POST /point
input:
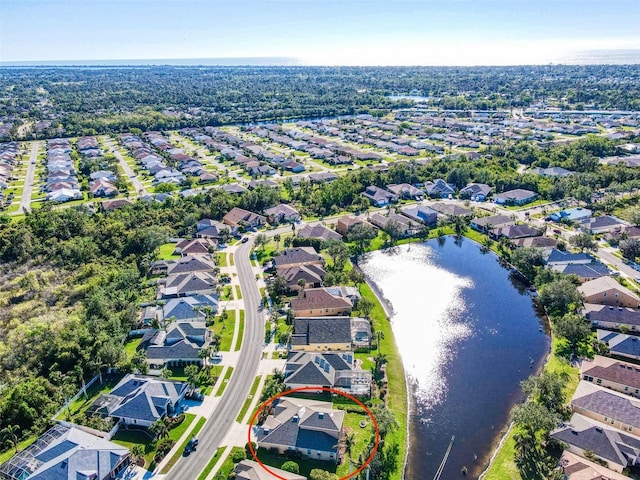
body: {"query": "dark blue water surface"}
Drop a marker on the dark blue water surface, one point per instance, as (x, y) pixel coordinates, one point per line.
(468, 334)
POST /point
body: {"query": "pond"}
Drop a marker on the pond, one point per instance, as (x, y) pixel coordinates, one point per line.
(468, 334)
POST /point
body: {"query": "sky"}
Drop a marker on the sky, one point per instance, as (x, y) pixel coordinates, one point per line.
(326, 32)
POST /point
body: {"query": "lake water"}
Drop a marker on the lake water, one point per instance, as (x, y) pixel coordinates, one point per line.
(468, 334)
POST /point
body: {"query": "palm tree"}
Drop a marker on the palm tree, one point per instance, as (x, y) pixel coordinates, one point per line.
(349, 441)
(137, 452)
(165, 373)
(159, 429)
(10, 434)
(277, 238)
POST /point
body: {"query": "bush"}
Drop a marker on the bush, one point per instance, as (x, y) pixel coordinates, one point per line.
(238, 455)
(318, 474)
(290, 466)
(248, 451)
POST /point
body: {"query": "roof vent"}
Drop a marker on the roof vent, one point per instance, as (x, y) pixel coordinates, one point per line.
(320, 415)
(294, 419)
(599, 429)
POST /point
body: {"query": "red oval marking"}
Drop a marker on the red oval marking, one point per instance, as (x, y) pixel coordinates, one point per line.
(314, 389)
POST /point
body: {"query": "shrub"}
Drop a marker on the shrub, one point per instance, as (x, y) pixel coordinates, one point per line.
(290, 466)
(238, 455)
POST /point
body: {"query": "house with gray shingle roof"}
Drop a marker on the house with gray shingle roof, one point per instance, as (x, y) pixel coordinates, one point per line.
(141, 400)
(320, 302)
(378, 196)
(476, 192)
(621, 344)
(575, 467)
(282, 213)
(336, 370)
(322, 333)
(608, 316)
(188, 284)
(250, 470)
(603, 405)
(617, 449)
(189, 308)
(67, 453)
(311, 428)
(179, 345)
(318, 231)
(292, 257)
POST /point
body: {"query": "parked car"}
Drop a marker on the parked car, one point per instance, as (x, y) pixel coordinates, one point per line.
(245, 239)
(191, 446)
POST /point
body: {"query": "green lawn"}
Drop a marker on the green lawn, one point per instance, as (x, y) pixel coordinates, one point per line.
(231, 259)
(227, 465)
(221, 259)
(176, 456)
(305, 464)
(212, 463)
(225, 330)
(238, 292)
(240, 332)
(166, 252)
(7, 454)
(225, 381)
(129, 438)
(80, 404)
(130, 347)
(249, 399)
(226, 293)
(362, 437)
(176, 433)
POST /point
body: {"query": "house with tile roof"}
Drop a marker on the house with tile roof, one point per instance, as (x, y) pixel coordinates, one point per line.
(311, 428)
(322, 334)
(67, 453)
(610, 373)
(618, 450)
(336, 370)
(320, 302)
(607, 291)
(141, 400)
(313, 276)
(614, 409)
(282, 213)
(406, 191)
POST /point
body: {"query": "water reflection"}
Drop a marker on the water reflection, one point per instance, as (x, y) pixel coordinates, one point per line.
(466, 337)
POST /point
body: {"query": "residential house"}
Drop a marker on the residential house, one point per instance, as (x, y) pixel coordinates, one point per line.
(550, 172)
(250, 470)
(282, 213)
(188, 284)
(406, 227)
(514, 231)
(615, 449)
(195, 246)
(141, 400)
(318, 231)
(189, 308)
(607, 291)
(561, 257)
(345, 224)
(208, 228)
(293, 166)
(603, 224)
(406, 191)
(110, 205)
(476, 192)
(310, 427)
(614, 374)
(187, 264)
(585, 273)
(378, 196)
(451, 210)
(518, 196)
(613, 318)
(64, 195)
(545, 243)
(237, 217)
(420, 214)
(337, 370)
(486, 224)
(351, 293)
(102, 188)
(320, 303)
(572, 215)
(292, 257)
(178, 345)
(312, 275)
(67, 453)
(439, 189)
(234, 189)
(322, 333)
(620, 344)
(614, 409)
(575, 467)
(323, 177)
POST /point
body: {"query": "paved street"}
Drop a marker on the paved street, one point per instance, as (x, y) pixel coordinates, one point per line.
(27, 189)
(223, 417)
(128, 171)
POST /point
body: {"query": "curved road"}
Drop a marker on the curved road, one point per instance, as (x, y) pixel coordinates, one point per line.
(222, 418)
